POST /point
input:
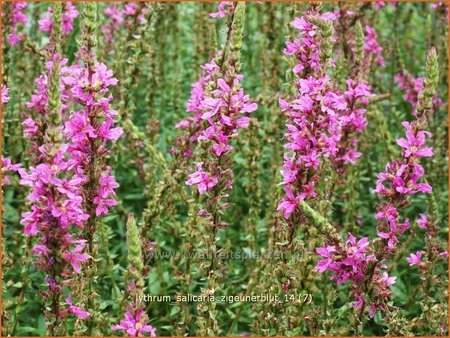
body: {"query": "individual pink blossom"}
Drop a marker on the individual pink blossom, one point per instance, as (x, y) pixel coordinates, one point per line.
(75, 256)
(78, 127)
(415, 259)
(7, 166)
(5, 97)
(103, 205)
(402, 179)
(135, 323)
(289, 203)
(204, 180)
(413, 145)
(45, 24)
(224, 9)
(30, 127)
(327, 253)
(394, 229)
(77, 311)
(130, 8)
(423, 221)
(388, 280)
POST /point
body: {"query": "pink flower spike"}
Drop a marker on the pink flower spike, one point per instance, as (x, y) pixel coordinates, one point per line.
(135, 323)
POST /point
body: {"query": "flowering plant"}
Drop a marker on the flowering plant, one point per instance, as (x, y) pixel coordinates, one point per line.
(224, 169)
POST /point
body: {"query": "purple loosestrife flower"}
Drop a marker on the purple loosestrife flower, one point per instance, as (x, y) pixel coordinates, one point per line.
(351, 261)
(69, 15)
(77, 311)
(415, 259)
(219, 110)
(306, 49)
(413, 145)
(224, 9)
(17, 17)
(56, 207)
(203, 180)
(122, 16)
(75, 257)
(307, 141)
(56, 179)
(224, 112)
(402, 178)
(115, 16)
(348, 261)
(35, 125)
(322, 119)
(363, 262)
(193, 125)
(6, 167)
(413, 87)
(135, 323)
(372, 46)
(5, 97)
(351, 121)
(440, 6)
(106, 186)
(91, 129)
(422, 221)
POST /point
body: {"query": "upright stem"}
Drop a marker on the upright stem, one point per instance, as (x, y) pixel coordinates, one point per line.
(87, 44)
